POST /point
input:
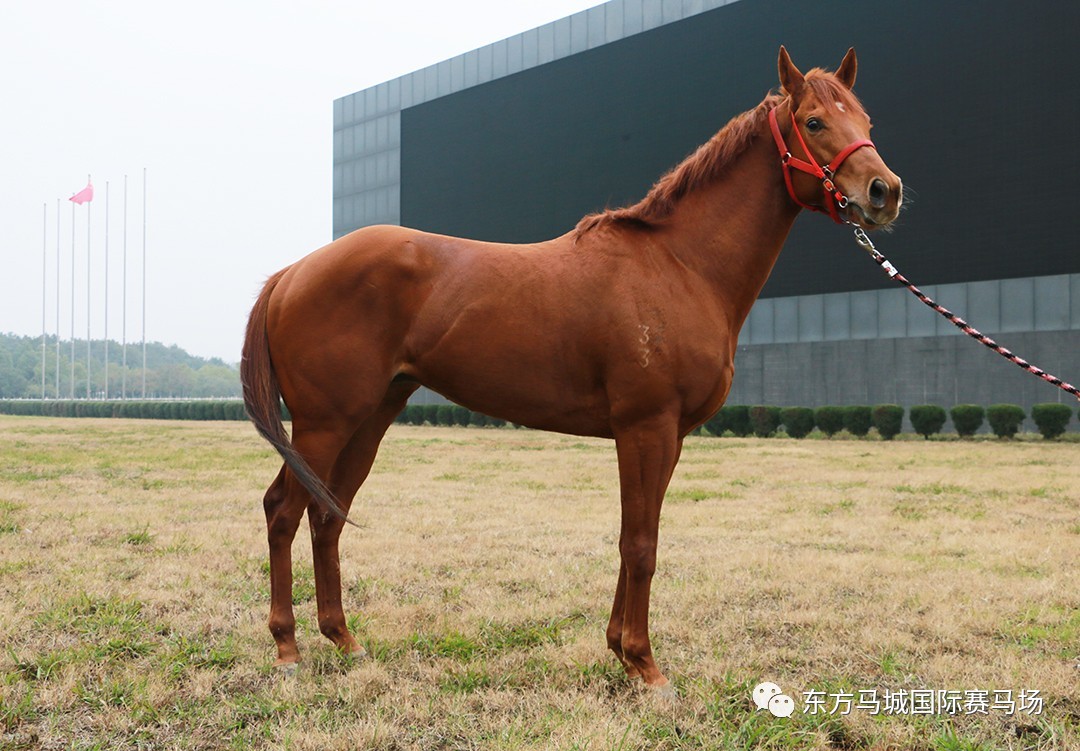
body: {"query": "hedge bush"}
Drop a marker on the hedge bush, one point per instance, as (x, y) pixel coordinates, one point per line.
(1005, 419)
(714, 425)
(734, 417)
(927, 419)
(764, 420)
(967, 419)
(797, 421)
(829, 420)
(858, 420)
(888, 419)
(1051, 419)
(195, 409)
(737, 419)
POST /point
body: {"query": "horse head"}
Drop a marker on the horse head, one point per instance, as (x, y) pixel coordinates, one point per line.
(821, 127)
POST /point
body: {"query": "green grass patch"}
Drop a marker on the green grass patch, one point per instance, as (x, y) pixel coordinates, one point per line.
(142, 537)
(89, 615)
(1057, 628)
(183, 654)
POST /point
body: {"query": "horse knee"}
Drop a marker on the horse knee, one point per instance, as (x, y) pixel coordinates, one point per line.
(639, 556)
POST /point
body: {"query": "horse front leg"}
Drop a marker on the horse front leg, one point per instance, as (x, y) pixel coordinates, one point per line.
(647, 452)
(615, 623)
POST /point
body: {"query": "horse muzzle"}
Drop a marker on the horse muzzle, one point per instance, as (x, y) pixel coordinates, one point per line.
(878, 204)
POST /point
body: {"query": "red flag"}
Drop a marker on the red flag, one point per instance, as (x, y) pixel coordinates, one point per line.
(85, 195)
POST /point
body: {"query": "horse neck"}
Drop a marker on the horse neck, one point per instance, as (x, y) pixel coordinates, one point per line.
(731, 231)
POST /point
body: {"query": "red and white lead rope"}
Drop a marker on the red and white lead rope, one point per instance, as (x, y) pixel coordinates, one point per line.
(867, 244)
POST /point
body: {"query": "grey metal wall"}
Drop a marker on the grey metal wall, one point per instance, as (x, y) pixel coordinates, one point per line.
(1042, 303)
(887, 347)
(943, 370)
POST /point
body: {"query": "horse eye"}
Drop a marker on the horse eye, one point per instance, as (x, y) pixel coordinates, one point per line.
(813, 125)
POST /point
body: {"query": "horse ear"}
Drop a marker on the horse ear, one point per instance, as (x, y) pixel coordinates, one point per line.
(791, 79)
(848, 68)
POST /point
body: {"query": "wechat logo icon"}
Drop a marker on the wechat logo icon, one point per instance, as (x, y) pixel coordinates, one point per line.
(771, 697)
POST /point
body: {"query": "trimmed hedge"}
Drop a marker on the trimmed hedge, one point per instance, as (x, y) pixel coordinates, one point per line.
(764, 420)
(797, 421)
(927, 419)
(735, 418)
(830, 420)
(196, 409)
(888, 419)
(858, 420)
(1005, 419)
(967, 419)
(1051, 419)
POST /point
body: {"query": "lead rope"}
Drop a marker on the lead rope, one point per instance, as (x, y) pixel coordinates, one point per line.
(867, 244)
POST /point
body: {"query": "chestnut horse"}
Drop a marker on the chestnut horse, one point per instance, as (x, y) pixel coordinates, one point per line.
(624, 328)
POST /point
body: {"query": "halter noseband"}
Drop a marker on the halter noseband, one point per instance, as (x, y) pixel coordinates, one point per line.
(834, 199)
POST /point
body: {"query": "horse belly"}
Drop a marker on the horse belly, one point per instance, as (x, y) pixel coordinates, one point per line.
(501, 363)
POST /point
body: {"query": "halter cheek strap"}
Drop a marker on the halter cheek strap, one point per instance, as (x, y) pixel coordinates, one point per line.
(834, 199)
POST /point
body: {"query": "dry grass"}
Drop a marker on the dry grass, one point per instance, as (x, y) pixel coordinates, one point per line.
(133, 592)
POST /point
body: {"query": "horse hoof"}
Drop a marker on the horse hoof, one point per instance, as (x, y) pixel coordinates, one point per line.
(286, 669)
(357, 654)
(665, 692)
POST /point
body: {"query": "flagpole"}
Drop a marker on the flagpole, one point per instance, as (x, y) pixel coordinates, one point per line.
(123, 316)
(88, 277)
(106, 290)
(44, 279)
(57, 394)
(72, 384)
(144, 283)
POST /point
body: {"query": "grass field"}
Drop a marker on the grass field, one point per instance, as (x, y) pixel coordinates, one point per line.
(134, 593)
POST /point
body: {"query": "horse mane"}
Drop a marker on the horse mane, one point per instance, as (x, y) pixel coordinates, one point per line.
(703, 166)
(710, 160)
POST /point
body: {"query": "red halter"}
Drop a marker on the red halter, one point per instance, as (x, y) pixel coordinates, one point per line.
(834, 199)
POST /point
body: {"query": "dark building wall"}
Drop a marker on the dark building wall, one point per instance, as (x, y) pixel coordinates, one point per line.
(971, 108)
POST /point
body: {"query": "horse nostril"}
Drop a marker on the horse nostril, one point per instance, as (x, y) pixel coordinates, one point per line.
(879, 193)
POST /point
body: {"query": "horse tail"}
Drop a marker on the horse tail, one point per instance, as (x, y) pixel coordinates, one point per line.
(262, 400)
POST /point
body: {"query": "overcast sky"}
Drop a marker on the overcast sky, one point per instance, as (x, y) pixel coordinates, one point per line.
(229, 107)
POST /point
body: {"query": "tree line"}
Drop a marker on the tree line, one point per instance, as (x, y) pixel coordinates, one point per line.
(171, 372)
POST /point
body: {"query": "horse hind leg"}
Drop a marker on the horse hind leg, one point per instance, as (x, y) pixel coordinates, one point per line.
(283, 512)
(349, 472)
(284, 504)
